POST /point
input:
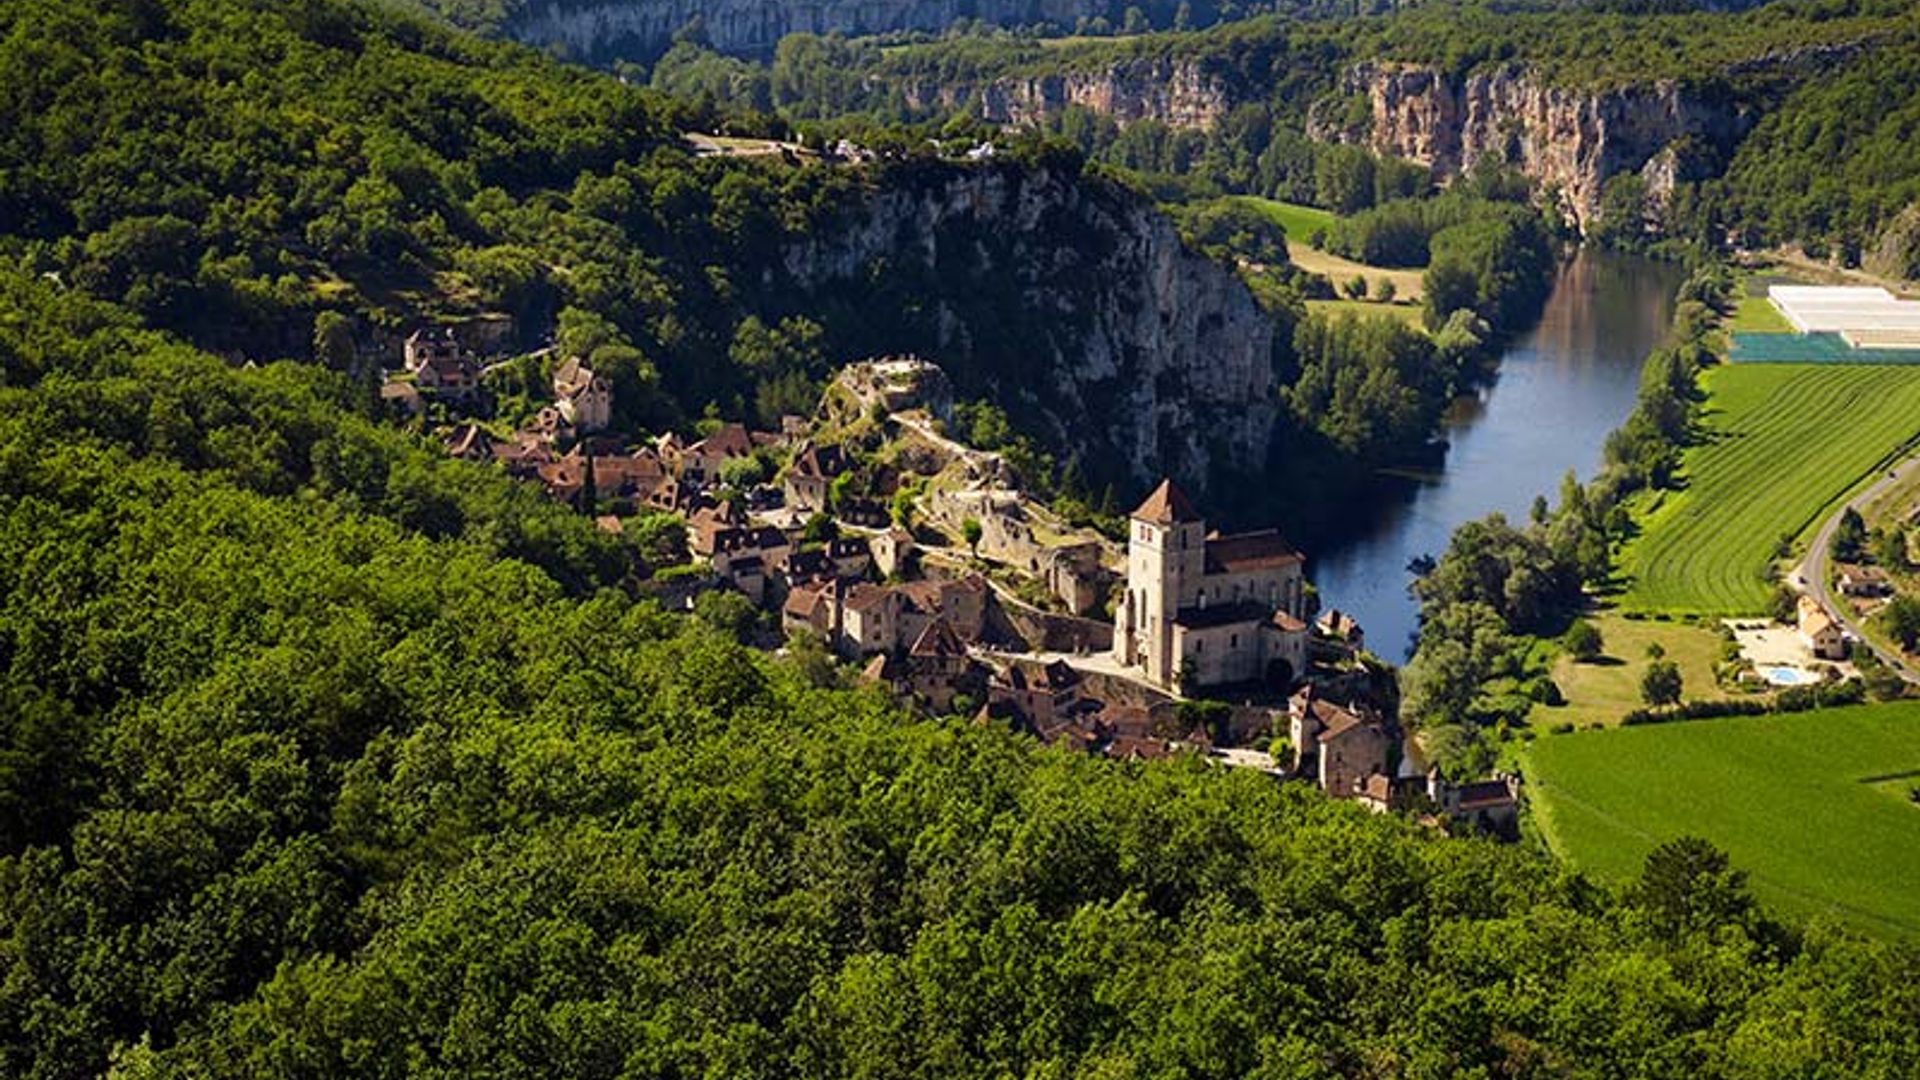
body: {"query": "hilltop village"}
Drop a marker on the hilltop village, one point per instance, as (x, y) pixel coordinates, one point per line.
(868, 532)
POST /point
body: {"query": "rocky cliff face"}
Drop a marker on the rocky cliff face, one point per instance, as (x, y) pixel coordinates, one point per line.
(607, 28)
(1070, 303)
(1176, 93)
(1572, 139)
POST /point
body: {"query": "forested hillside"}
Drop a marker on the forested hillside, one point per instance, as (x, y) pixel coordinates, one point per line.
(327, 757)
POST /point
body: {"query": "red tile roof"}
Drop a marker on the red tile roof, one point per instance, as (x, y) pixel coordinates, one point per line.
(1167, 505)
(1249, 551)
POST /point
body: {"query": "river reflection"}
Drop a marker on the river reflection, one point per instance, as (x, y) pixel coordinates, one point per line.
(1560, 389)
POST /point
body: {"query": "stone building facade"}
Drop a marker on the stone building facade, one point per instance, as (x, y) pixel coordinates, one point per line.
(1207, 608)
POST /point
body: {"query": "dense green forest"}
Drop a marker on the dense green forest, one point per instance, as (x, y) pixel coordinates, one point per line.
(326, 756)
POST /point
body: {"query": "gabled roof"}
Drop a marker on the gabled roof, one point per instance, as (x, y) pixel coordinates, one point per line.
(729, 440)
(1167, 505)
(821, 462)
(939, 640)
(865, 597)
(802, 601)
(1249, 551)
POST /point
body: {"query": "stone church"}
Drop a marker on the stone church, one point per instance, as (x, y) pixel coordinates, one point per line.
(1203, 609)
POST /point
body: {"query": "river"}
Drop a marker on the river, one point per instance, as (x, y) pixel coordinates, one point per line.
(1559, 390)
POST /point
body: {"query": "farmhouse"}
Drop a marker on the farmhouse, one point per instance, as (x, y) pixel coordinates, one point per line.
(1818, 630)
(1865, 581)
(1207, 609)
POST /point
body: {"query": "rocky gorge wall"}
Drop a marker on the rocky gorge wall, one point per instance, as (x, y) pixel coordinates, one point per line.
(1179, 93)
(1572, 139)
(1071, 303)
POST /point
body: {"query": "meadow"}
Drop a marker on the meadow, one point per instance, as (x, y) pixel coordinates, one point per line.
(1411, 314)
(1781, 443)
(1299, 221)
(1757, 315)
(1813, 806)
(1602, 691)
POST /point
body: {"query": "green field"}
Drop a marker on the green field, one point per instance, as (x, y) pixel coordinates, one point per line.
(1602, 691)
(1299, 221)
(1757, 315)
(1367, 309)
(1811, 805)
(1782, 442)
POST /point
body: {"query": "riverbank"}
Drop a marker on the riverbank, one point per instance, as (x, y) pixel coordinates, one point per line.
(1547, 406)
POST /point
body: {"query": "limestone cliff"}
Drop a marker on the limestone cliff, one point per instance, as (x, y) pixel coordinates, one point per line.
(1179, 93)
(638, 28)
(1072, 303)
(1572, 139)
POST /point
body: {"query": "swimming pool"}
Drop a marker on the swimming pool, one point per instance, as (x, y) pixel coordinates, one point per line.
(1781, 675)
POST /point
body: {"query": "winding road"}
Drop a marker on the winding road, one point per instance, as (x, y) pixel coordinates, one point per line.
(1812, 571)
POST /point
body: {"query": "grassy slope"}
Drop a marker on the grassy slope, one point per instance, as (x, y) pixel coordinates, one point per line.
(1603, 692)
(1299, 221)
(1783, 442)
(1791, 798)
(1410, 314)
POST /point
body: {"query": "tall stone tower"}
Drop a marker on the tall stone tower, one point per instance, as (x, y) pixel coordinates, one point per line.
(1166, 556)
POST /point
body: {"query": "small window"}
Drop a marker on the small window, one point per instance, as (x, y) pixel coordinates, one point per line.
(1233, 641)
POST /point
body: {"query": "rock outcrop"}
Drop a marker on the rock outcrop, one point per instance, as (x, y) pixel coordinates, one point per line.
(1179, 93)
(1569, 139)
(1072, 303)
(640, 28)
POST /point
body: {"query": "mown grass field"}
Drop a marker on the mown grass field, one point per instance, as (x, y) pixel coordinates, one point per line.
(1757, 315)
(1783, 442)
(1811, 805)
(1602, 691)
(1410, 314)
(1299, 221)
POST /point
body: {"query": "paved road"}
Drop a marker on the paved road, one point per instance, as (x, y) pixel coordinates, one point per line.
(1813, 570)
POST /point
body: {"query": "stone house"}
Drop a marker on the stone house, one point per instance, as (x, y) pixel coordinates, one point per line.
(809, 479)
(962, 603)
(700, 463)
(892, 552)
(1338, 746)
(869, 621)
(1820, 632)
(811, 607)
(1491, 806)
(440, 366)
(935, 671)
(1865, 582)
(1221, 609)
(584, 398)
(1043, 700)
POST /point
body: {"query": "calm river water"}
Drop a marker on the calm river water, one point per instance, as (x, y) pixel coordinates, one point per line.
(1559, 390)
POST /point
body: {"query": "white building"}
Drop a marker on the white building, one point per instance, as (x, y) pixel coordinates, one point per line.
(1221, 609)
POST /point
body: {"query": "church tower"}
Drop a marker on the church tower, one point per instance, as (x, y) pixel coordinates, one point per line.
(1166, 554)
